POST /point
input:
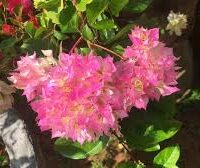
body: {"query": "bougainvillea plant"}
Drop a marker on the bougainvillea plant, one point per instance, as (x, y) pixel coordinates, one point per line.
(88, 81)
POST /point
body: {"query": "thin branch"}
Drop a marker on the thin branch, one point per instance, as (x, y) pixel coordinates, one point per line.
(124, 145)
(4, 17)
(48, 35)
(61, 49)
(75, 45)
(187, 92)
(106, 49)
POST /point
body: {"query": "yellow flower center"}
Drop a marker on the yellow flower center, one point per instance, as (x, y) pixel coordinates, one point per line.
(143, 36)
(138, 85)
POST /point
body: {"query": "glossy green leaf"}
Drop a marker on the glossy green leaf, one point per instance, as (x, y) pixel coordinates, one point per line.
(117, 5)
(29, 28)
(67, 13)
(118, 49)
(122, 33)
(138, 6)
(39, 32)
(81, 5)
(47, 4)
(141, 134)
(75, 150)
(60, 36)
(106, 34)
(104, 24)
(95, 9)
(87, 33)
(168, 157)
(71, 26)
(153, 148)
(84, 51)
(44, 20)
(53, 16)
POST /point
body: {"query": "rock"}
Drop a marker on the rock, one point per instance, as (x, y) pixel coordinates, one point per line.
(18, 144)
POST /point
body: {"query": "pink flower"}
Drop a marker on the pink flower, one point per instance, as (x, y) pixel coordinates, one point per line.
(29, 76)
(144, 38)
(76, 100)
(83, 97)
(149, 71)
(26, 5)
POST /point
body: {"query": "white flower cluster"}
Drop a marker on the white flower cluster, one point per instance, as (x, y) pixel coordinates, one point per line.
(177, 22)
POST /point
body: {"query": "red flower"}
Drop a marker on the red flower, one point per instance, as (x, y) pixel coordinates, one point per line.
(1, 4)
(26, 5)
(34, 20)
(8, 30)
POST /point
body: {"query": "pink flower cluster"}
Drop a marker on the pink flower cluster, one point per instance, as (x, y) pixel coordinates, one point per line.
(83, 97)
(149, 70)
(29, 76)
(75, 101)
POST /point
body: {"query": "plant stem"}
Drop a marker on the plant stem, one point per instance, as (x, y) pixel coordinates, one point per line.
(77, 42)
(4, 17)
(48, 35)
(124, 145)
(106, 49)
(61, 4)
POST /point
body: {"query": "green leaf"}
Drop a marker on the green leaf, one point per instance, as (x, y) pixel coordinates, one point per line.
(71, 26)
(39, 32)
(29, 28)
(53, 16)
(44, 21)
(47, 4)
(168, 157)
(106, 34)
(87, 33)
(123, 32)
(104, 24)
(36, 45)
(7, 43)
(141, 134)
(117, 5)
(67, 13)
(138, 6)
(95, 9)
(118, 49)
(74, 150)
(60, 36)
(84, 51)
(81, 6)
(130, 165)
(146, 129)
(153, 148)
